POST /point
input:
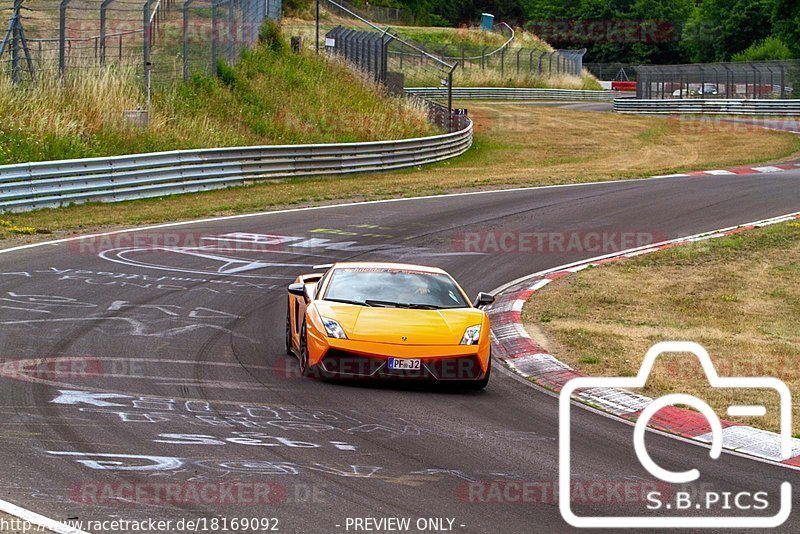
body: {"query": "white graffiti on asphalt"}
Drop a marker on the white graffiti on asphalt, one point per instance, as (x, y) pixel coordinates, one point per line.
(46, 303)
(109, 314)
(150, 282)
(156, 410)
(232, 253)
(168, 465)
(163, 411)
(147, 463)
(255, 439)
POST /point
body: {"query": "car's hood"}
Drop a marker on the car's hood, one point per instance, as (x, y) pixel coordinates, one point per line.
(391, 325)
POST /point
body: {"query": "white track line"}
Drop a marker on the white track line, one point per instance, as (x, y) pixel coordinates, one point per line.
(38, 520)
(346, 204)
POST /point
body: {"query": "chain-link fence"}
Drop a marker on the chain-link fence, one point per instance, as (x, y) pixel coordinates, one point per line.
(748, 80)
(506, 61)
(395, 16)
(164, 40)
(612, 72)
(364, 49)
(509, 60)
(372, 49)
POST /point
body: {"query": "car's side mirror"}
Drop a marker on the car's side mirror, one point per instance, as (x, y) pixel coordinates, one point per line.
(483, 299)
(299, 290)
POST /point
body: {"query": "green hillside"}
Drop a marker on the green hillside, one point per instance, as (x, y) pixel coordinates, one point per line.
(272, 96)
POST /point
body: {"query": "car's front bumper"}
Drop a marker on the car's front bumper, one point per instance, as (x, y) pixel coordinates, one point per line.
(365, 360)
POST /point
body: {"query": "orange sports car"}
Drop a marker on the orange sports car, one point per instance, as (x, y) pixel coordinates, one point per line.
(387, 320)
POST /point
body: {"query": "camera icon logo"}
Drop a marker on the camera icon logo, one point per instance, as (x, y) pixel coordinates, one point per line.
(672, 477)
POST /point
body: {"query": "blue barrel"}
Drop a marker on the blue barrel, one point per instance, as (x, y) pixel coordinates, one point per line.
(487, 22)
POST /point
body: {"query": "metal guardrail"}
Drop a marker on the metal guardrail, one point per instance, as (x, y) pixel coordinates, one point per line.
(783, 108)
(30, 186)
(513, 93)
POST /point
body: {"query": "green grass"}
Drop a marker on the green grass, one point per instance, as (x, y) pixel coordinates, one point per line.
(457, 37)
(271, 96)
(510, 141)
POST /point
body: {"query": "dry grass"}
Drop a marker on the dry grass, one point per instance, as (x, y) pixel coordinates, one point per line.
(270, 97)
(494, 77)
(473, 40)
(515, 145)
(739, 297)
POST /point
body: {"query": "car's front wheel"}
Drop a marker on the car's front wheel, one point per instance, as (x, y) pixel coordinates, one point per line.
(305, 369)
(288, 341)
(482, 383)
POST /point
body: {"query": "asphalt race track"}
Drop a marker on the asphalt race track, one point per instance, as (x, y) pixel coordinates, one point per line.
(157, 358)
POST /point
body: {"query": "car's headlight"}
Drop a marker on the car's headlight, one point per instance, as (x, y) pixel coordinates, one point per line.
(333, 329)
(472, 335)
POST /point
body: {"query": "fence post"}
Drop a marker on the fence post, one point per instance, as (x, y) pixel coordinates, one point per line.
(15, 50)
(186, 6)
(7, 36)
(103, 8)
(146, 49)
(518, 53)
(385, 55)
(62, 36)
(503, 63)
(450, 98)
(783, 81)
(231, 21)
(214, 37)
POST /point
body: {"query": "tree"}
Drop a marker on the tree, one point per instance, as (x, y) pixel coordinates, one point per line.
(717, 29)
(786, 23)
(770, 48)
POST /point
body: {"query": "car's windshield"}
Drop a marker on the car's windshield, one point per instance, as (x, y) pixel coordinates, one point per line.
(394, 288)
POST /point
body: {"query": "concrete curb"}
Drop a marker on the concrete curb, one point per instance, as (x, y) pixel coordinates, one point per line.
(525, 357)
(741, 171)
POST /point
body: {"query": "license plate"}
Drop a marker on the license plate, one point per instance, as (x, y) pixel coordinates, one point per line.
(401, 364)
